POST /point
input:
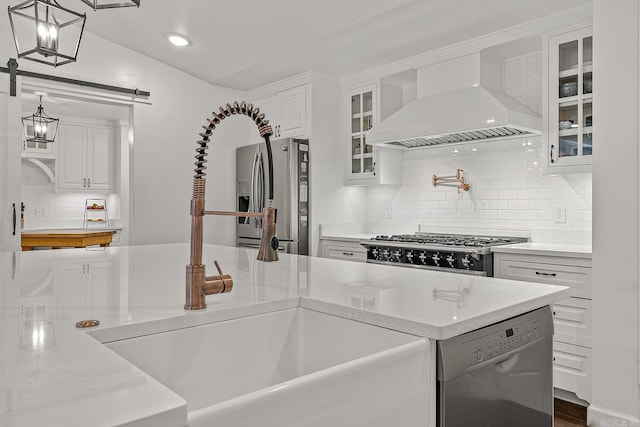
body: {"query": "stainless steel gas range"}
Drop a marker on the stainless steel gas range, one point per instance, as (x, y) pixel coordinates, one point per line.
(454, 253)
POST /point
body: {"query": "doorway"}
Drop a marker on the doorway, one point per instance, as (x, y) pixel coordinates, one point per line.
(58, 179)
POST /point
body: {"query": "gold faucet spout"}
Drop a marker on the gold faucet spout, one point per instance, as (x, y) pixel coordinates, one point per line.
(269, 242)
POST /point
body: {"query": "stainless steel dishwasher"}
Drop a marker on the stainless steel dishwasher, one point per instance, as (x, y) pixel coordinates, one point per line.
(498, 376)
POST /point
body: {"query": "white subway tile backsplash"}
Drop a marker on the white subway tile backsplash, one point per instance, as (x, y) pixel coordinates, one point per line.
(499, 203)
(507, 214)
(507, 194)
(518, 204)
(45, 207)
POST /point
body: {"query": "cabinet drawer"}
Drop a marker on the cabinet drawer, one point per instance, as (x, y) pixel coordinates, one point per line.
(346, 252)
(578, 278)
(572, 363)
(572, 321)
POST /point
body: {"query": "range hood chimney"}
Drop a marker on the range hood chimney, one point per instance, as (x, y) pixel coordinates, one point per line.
(459, 101)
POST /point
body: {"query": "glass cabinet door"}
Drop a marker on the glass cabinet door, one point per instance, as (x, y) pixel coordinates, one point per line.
(573, 137)
(361, 121)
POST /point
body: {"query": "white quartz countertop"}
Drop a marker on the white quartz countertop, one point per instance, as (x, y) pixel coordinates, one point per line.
(570, 250)
(54, 374)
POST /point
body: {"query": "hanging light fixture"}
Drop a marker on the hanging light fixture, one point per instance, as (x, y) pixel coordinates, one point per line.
(106, 4)
(39, 127)
(57, 31)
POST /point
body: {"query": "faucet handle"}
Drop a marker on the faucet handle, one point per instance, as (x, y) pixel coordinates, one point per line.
(217, 284)
(215, 262)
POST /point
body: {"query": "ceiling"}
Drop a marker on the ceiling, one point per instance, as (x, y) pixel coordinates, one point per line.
(246, 44)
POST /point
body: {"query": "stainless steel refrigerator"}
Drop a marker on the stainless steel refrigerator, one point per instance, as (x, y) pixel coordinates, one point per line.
(290, 191)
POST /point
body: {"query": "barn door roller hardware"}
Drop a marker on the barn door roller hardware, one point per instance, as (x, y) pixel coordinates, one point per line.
(12, 70)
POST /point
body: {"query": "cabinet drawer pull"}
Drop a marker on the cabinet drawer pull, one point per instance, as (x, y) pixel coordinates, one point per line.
(539, 273)
(347, 253)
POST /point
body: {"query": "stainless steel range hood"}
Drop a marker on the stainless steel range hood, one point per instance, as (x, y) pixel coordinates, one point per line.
(469, 107)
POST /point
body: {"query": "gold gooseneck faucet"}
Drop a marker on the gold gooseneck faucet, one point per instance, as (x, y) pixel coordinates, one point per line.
(198, 285)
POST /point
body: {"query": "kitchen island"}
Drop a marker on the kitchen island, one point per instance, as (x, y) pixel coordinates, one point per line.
(54, 374)
(57, 239)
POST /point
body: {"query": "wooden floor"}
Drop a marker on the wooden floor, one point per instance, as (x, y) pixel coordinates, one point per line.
(569, 415)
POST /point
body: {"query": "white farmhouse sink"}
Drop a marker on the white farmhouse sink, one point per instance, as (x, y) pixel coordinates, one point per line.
(293, 367)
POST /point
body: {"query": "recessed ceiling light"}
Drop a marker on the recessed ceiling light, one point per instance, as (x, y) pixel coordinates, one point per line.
(178, 40)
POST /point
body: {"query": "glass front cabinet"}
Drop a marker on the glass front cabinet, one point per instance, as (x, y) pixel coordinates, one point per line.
(362, 162)
(570, 101)
(367, 164)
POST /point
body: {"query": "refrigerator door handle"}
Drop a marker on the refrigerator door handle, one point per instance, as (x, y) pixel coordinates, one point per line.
(260, 199)
(253, 188)
(15, 219)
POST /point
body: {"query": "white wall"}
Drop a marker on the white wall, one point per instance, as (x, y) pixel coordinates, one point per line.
(165, 136)
(615, 214)
(510, 194)
(332, 201)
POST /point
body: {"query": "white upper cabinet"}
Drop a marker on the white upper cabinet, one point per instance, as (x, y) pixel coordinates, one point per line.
(286, 112)
(569, 92)
(86, 158)
(368, 164)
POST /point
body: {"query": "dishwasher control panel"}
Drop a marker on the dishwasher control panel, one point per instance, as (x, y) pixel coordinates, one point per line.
(502, 342)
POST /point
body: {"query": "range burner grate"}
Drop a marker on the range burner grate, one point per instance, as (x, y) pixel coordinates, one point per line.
(449, 239)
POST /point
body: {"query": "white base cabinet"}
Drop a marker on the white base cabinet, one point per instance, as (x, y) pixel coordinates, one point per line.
(572, 338)
(344, 250)
(86, 158)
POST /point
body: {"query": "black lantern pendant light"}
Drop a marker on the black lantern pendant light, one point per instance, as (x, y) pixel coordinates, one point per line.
(39, 127)
(57, 31)
(106, 4)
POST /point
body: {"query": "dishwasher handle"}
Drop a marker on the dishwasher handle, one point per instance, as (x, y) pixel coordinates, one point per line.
(497, 360)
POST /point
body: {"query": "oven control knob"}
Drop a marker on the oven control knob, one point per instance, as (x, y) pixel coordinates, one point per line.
(479, 355)
(436, 259)
(385, 255)
(409, 256)
(451, 260)
(466, 262)
(397, 255)
(423, 257)
(374, 252)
